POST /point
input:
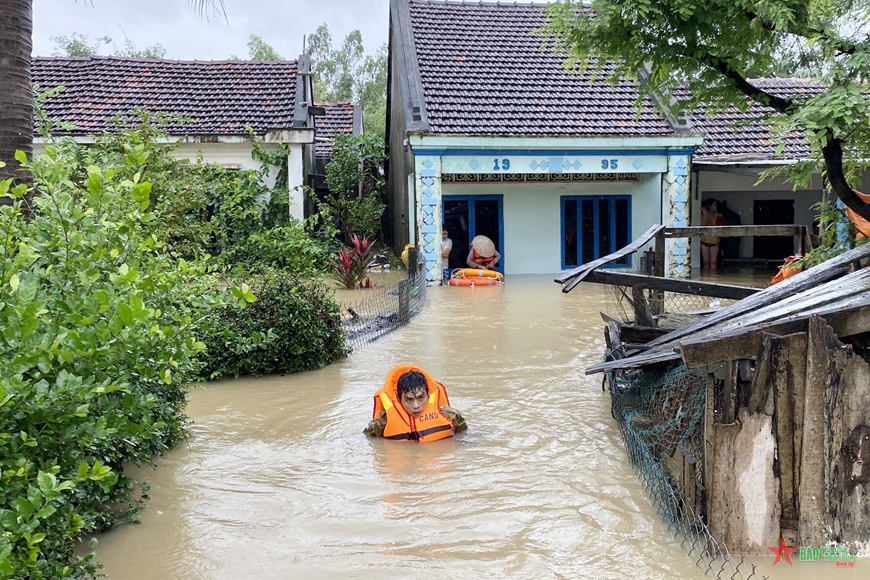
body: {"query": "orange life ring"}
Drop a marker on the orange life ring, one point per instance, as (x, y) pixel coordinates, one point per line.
(476, 281)
(477, 273)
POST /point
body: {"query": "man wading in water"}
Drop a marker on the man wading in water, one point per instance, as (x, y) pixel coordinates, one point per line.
(412, 406)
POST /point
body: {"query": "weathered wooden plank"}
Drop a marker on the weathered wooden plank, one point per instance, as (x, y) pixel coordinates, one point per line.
(789, 356)
(848, 318)
(709, 419)
(830, 292)
(813, 521)
(744, 508)
(635, 362)
(641, 310)
(802, 282)
(607, 317)
(847, 436)
(806, 280)
(577, 274)
(640, 334)
(760, 400)
(734, 231)
(729, 392)
(695, 287)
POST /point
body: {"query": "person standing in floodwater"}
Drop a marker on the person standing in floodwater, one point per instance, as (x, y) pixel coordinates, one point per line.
(412, 406)
(446, 248)
(710, 244)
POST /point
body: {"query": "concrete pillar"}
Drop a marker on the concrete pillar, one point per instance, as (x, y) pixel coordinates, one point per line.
(428, 211)
(676, 211)
(295, 175)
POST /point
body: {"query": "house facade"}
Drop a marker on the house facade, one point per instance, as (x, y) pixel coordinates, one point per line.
(218, 100)
(488, 134)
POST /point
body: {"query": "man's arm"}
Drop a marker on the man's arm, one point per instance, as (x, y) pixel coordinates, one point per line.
(459, 424)
(497, 258)
(376, 426)
(470, 261)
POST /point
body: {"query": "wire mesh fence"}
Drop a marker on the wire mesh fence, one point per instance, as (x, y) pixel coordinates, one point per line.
(385, 311)
(660, 414)
(621, 303)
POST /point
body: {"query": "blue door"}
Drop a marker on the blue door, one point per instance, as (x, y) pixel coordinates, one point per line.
(594, 226)
(466, 216)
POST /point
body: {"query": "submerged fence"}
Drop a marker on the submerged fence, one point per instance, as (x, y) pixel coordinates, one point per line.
(386, 310)
(661, 416)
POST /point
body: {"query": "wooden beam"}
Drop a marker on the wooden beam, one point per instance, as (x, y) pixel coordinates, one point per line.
(640, 334)
(695, 287)
(733, 231)
(848, 319)
(577, 274)
(633, 362)
(743, 343)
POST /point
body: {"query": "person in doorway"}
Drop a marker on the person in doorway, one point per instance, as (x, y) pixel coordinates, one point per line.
(446, 248)
(710, 244)
(412, 406)
(483, 254)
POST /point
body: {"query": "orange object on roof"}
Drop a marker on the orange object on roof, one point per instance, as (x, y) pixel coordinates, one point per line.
(860, 223)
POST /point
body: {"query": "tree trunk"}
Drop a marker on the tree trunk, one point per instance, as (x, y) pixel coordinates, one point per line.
(16, 96)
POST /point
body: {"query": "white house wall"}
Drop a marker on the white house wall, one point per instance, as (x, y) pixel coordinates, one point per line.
(532, 215)
(238, 155)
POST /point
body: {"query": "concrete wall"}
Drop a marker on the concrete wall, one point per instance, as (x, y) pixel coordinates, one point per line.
(532, 215)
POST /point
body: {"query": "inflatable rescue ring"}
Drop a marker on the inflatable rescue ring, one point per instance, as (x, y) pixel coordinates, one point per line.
(474, 277)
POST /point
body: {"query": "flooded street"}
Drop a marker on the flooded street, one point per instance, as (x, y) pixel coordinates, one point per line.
(278, 481)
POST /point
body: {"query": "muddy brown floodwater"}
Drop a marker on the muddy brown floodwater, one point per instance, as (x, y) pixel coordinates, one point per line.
(278, 481)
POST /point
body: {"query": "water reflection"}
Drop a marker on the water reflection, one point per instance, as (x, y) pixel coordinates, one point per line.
(279, 482)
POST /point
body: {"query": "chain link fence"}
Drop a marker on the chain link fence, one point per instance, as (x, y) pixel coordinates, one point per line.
(661, 416)
(385, 311)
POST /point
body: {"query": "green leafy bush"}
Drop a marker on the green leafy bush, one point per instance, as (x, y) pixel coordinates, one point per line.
(295, 325)
(98, 339)
(355, 181)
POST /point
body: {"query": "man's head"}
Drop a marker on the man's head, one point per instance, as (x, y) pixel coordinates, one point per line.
(413, 392)
(444, 233)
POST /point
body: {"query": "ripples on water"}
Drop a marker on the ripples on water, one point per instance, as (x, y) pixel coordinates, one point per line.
(279, 482)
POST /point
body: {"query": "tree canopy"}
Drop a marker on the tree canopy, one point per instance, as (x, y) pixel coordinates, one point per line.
(77, 44)
(346, 74)
(259, 49)
(709, 50)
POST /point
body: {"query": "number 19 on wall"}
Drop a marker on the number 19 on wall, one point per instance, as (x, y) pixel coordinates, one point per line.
(501, 164)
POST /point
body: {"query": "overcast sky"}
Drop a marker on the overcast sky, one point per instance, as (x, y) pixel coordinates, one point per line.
(184, 35)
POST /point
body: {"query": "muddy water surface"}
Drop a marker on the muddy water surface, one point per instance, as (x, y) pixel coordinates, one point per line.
(279, 482)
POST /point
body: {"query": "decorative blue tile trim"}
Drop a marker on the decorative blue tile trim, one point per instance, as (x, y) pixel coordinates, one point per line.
(428, 173)
(429, 229)
(555, 164)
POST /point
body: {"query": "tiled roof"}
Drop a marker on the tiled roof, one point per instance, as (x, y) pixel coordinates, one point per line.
(736, 135)
(484, 72)
(222, 97)
(338, 120)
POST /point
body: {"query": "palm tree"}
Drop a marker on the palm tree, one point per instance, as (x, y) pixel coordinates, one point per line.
(16, 97)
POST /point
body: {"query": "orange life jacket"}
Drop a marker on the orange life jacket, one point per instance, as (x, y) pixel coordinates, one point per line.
(483, 261)
(431, 425)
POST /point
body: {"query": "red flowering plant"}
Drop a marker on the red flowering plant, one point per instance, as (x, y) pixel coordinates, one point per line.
(350, 266)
